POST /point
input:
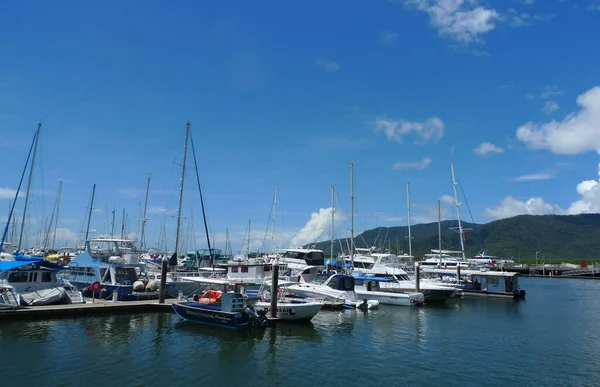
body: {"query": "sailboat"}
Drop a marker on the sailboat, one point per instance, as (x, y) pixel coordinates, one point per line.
(224, 306)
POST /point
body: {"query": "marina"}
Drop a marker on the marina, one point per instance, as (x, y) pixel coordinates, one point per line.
(406, 339)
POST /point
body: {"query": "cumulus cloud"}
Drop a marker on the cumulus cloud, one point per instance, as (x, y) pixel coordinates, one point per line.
(577, 133)
(413, 164)
(327, 64)
(513, 207)
(9, 193)
(487, 148)
(550, 107)
(431, 129)
(589, 202)
(461, 20)
(532, 177)
(315, 228)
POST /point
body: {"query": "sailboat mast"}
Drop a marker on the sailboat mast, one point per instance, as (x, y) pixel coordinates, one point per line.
(273, 219)
(57, 212)
(457, 204)
(123, 224)
(226, 241)
(187, 134)
(248, 248)
(87, 231)
(408, 219)
(35, 146)
(144, 220)
(439, 203)
(352, 215)
(332, 221)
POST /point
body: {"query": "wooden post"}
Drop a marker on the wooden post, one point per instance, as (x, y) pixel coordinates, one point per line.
(164, 268)
(274, 287)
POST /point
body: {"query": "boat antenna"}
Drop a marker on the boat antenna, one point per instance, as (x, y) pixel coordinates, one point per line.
(210, 250)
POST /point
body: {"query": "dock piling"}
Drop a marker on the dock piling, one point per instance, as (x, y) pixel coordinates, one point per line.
(274, 287)
(417, 277)
(164, 268)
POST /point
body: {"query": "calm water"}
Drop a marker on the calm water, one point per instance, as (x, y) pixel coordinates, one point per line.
(553, 338)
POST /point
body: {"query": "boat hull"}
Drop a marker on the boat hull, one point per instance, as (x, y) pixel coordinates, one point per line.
(293, 311)
(390, 298)
(482, 293)
(210, 314)
(436, 295)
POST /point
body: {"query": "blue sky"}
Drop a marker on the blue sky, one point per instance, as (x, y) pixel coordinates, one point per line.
(288, 94)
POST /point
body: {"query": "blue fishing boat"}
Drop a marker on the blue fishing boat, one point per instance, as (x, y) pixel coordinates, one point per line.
(225, 307)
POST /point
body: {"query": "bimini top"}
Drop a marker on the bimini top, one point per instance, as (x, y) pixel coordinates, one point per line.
(24, 260)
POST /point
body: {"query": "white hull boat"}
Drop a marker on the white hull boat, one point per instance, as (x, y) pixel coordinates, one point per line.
(291, 310)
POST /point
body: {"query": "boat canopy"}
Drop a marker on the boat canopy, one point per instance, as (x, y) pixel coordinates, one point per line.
(23, 260)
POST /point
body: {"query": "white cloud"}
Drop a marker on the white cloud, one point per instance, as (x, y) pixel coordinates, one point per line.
(533, 177)
(513, 207)
(461, 20)
(447, 199)
(524, 19)
(487, 148)
(328, 65)
(529, 96)
(413, 164)
(578, 133)
(593, 7)
(388, 37)
(315, 228)
(550, 91)
(507, 85)
(130, 192)
(590, 197)
(589, 202)
(431, 129)
(550, 107)
(161, 211)
(9, 193)
(65, 237)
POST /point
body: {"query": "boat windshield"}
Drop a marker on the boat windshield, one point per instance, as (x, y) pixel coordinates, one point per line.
(126, 274)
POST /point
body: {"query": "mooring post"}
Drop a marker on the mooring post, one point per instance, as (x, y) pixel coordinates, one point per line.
(164, 268)
(274, 287)
(417, 277)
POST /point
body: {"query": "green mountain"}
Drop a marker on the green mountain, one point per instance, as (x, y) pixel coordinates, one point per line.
(556, 237)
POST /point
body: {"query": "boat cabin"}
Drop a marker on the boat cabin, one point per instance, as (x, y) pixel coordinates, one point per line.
(341, 282)
(307, 256)
(25, 274)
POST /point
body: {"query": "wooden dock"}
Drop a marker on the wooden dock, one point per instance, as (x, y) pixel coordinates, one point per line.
(98, 307)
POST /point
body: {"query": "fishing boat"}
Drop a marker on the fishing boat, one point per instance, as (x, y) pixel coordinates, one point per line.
(222, 307)
(288, 309)
(367, 288)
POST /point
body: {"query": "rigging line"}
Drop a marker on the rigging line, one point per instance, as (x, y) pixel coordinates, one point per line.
(264, 242)
(212, 261)
(12, 208)
(471, 215)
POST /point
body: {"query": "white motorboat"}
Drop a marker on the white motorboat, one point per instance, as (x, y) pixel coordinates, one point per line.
(367, 288)
(336, 288)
